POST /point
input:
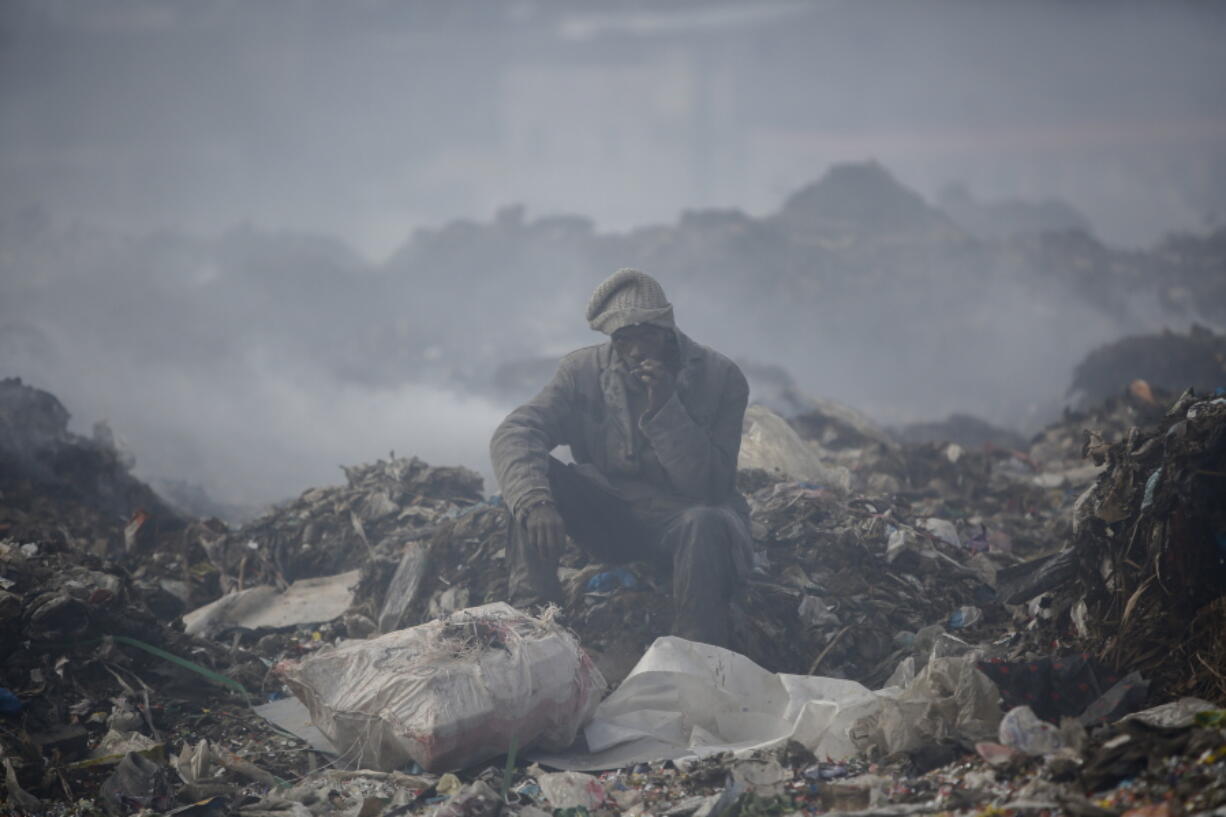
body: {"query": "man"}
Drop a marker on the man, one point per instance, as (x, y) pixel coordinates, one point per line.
(653, 421)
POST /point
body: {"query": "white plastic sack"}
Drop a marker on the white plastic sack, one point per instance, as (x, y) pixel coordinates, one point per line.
(948, 698)
(687, 699)
(449, 693)
(769, 443)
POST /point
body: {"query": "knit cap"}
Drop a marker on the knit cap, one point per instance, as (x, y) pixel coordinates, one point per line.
(628, 297)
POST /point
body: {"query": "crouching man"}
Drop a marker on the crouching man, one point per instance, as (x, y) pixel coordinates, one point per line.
(653, 421)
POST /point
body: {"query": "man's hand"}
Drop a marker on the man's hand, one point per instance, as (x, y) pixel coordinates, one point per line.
(546, 531)
(660, 382)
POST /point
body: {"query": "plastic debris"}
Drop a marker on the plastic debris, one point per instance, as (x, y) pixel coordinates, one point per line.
(1020, 729)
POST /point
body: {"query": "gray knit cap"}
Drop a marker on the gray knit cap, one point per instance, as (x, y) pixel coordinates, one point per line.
(628, 297)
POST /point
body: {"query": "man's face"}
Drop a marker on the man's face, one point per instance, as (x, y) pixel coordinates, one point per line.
(643, 341)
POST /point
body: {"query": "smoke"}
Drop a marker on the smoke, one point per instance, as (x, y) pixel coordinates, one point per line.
(372, 120)
(262, 429)
(264, 240)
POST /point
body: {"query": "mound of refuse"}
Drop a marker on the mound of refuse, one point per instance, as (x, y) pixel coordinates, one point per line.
(334, 529)
(1143, 581)
(950, 626)
(60, 485)
(1170, 361)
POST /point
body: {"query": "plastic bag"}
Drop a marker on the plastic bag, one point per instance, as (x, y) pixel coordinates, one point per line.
(450, 693)
(572, 790)
(948, 699)
(1021, 729)
(769, 443)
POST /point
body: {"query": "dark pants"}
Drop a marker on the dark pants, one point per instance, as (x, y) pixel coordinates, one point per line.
(697, 542)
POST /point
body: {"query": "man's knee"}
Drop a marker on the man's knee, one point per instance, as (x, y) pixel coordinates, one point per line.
(705, 518)
(706, 534)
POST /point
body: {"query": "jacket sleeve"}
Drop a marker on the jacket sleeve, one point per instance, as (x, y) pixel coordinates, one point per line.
(701, 462)
(521, 444)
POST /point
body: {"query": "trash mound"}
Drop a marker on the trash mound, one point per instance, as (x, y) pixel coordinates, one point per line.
(96, 682)
(1150, 552)
(57, 485)
(1002, 497)
(844, 585)
(330, 530)
(861, 199)
(1169, 361)
(912, 579)
(437, 569)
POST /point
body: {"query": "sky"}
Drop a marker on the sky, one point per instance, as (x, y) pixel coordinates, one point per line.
(184, 182)
(367, 120)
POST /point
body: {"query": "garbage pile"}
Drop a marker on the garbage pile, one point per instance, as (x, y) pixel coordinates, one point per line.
(61, 486)
(977, 620)
(1169, 361)
(1001, 500)
(844, 586)
(1061, 446)
(1144, 581)
(1160, 763)
(97, 683)
(326, 531)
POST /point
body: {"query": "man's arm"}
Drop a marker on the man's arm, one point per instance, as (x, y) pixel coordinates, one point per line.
(520, 447)
(701, 463)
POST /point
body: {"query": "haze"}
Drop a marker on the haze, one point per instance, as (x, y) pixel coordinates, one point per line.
(266, 239)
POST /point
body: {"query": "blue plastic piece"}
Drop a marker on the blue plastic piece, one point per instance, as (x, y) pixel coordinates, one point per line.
(10, 704)
(612, 580)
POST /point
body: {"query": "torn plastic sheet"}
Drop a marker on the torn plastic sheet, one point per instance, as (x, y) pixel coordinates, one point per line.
(306, 601)
(686, 699)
